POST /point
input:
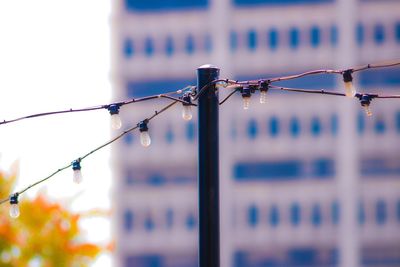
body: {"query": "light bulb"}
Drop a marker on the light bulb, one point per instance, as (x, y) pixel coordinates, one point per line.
(350, 91)
(116, 122)
(115, 118)
(263, 97)
(367, 110)
(77, 177)
(365, 101)
(145, 139)
(246, 102)
(14, 211)
(187, 112)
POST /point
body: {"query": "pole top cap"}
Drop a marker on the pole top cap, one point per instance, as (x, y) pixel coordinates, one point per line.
(208, 66)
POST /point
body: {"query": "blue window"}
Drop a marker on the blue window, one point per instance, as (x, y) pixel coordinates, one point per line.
(361, 213)
(380, 212)
(398, 210)
(335, 212)
(161, 5)
(128, 48)
(360, 123)
(397, 32)
(360, 32)
(190, 45)
(252, 215)
(315, 36)
(149, 224)
(273, 216)
(323, 168)
(169, 135)
(273, 126)
(397, 121)
(252, 129)
(208, 43)
(380, 126)
(379, 34)
(294, 127)
(149, 47)
(316, 215)
(273, 39)
(128, 220)
(295, 214)
(316, 127)
(169, 46)
(233, 41)
(334, 35)
(128, 138)
(254, 3)
(156, 179)
(190, 131)
(190, 222)
(334, 124)
(252, 40)
(294, 38)
(169, 218)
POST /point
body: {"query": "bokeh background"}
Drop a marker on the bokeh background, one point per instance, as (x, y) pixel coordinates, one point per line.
(305, 180)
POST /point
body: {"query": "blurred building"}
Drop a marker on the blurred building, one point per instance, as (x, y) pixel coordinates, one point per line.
(305, 180)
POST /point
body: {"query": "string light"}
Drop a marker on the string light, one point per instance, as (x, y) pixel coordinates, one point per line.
(145, 139)
(246, 95)
(264, 87)
(245, 87)
(77, 174)
(187, 107)
(14, 208)
(350, 91)
(116, 122)
(365, 101)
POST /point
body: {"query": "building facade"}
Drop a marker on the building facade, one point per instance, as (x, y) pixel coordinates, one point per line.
(305, 180)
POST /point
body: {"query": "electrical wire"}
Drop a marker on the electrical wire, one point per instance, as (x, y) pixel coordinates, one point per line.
(195, 93)
(156, 113)
(120, 104)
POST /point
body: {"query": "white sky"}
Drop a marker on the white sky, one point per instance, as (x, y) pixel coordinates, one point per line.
(56, 55)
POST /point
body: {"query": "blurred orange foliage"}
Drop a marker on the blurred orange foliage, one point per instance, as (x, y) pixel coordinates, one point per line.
(45, 234)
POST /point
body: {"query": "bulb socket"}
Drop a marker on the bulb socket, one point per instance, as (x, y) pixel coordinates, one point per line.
(365, 100)
(246, 92)
(113, 109)
(14, 198)
(143, 126)
(76, 165)
(347, 77)
(187, 99)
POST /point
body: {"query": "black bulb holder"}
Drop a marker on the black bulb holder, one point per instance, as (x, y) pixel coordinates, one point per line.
(76, 165)
(143, 126)
(113, 109)
(187, 99)
(14, 198)
(347, 77)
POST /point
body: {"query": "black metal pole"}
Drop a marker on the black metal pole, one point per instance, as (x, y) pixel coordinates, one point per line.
(208, 168)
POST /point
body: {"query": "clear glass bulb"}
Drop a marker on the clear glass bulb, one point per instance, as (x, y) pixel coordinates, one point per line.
(145, 139)
(116, 122)
(263, 97)
(246, 102)
(77, 176)
(187, 112)
(350, 91)
(14, 211)
(367, 110)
